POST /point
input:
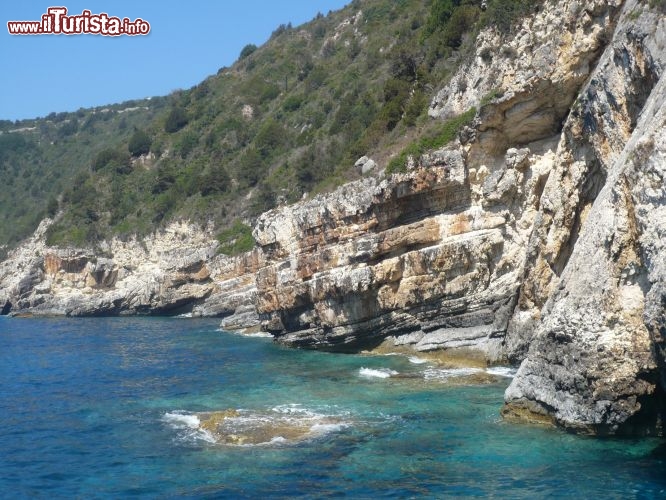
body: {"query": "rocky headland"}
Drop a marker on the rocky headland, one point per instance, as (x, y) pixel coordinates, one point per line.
(536, 238)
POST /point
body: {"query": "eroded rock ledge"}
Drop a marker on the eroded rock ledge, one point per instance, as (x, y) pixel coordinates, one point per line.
(176, 271)
(415, 257)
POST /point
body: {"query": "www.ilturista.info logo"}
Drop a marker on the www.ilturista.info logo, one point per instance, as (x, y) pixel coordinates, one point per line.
(56, 22)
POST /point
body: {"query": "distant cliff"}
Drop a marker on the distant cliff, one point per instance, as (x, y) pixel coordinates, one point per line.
(536, 237)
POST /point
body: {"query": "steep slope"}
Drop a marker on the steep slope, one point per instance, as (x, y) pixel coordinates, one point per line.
(288, 118)
(594, 361)
(41, 159)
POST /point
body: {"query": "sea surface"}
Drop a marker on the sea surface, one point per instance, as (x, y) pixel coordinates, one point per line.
(95, 408)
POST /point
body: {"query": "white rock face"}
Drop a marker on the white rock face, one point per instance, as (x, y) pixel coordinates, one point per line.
(173, 271)
(365, 165)
(591, 309)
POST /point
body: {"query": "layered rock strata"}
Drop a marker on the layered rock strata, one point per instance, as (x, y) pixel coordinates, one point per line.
(175, 271)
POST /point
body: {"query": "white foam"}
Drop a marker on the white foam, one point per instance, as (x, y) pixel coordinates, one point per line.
(502, 371)
(179, 420)
(328, 428)
(257, 335)
(380, 373)
(204, 435)
(417, 361)
(188, 428)
(446, 373)
(294, 409)
(185, 315)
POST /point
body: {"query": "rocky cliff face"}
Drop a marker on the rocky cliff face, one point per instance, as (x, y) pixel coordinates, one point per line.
(594, 324)
(414, 255)
(175, 271)
(536, 238)
(589, 315)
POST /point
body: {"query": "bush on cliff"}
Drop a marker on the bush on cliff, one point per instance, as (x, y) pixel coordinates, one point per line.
(139, 144)
(443, 135)
(236, 240)
(175, 120)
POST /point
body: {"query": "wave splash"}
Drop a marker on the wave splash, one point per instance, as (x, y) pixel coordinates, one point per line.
(377, 372)
(188, 427)
(503, 371)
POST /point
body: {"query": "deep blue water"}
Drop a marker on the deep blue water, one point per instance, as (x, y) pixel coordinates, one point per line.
(96, 408)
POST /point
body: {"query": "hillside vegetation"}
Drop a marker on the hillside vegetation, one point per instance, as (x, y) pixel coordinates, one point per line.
(288, 118)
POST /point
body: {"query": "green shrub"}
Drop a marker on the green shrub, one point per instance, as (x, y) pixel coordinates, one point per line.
(68, 128)
(270, 92)
(110, 157)
(490, 96)
(187, 143)
(265, 198)
(175, 120)
(215, 180)
(166, 177)
(247, 50)
(462, 20)
(415, 106)
(307, 169)
(139, 143)
(57, 236)
(251, 167)
(447, 132)
(236, 240)
(52, 206)
(396, 94)
(503, 14)
(292, 103)
(269, 138)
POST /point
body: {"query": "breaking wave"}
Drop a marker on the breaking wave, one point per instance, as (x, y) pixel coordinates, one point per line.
(377, 373)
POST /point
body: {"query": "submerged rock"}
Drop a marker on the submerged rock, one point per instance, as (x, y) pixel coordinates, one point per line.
(246, 428)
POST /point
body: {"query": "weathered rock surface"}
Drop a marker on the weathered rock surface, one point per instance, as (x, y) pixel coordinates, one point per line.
(416, 255)
(173, 272)
(595, 354)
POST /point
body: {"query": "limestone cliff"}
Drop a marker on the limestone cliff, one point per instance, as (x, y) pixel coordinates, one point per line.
(596, 346)
(589, 318)
(176, 271)
(538, 237)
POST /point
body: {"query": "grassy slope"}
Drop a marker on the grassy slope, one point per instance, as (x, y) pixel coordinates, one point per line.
(287, 119)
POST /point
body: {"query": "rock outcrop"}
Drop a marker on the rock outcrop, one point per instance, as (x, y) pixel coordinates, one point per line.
(417, 258)
(175, 271)
(595, 358)
(538, 237)
(550, 204)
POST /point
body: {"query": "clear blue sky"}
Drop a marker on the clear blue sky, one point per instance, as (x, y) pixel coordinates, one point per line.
(188, 42)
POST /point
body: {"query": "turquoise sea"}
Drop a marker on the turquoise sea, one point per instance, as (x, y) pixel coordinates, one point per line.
(95, 408)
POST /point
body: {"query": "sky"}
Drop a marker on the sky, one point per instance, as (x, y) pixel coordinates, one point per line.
(188, 41)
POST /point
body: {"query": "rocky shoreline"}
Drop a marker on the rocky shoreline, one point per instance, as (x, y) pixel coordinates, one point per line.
(537, 238)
